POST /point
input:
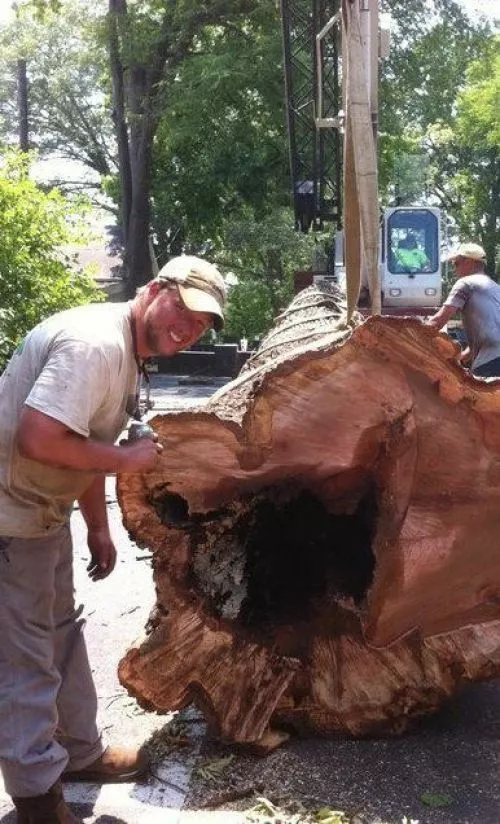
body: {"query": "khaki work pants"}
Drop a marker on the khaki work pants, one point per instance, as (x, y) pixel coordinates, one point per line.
(48, 702)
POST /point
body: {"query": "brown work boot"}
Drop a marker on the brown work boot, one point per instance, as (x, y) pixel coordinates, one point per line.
(49, 808)
(115, 765)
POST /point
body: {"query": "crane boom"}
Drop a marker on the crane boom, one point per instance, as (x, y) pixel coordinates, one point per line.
(318, 78)
(315, 154)
(331, 50)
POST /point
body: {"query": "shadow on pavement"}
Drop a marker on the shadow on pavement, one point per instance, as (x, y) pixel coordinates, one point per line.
(452, 757)
(81, 810)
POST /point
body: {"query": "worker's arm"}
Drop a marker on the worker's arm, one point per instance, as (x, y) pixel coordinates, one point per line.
(102, 549)
(465, 356)
(441, 317)
(48, 441)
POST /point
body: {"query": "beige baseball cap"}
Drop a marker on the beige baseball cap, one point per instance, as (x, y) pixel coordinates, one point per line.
(467, 250)
(201, 285)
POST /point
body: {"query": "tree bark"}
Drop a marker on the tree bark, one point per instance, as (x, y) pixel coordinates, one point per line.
(491, 219)
(330, 511)
(142, 130)
(22, 101)
(117, 10)
(132, 94)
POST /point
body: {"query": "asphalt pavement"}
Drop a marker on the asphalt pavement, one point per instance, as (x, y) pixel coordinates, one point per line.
(447, 771)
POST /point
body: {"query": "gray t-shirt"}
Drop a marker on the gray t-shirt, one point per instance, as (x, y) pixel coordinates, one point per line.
(478, 298)
(77, 367)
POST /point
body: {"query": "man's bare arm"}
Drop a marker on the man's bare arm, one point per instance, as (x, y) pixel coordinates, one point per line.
(441, 317)
(93, 504)
(102, 549)
(50, 442)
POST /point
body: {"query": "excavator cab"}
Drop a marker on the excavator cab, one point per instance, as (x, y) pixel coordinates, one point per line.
(410, 261)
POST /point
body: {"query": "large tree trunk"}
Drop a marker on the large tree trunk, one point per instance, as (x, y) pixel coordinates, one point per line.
(132, 92)
(138, 250)
(329, 511)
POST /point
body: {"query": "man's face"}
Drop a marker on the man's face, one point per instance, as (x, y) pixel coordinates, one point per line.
(464, 266)
(168, 326)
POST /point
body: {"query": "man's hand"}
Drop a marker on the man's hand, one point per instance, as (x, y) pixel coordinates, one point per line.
(441, 317)
(102, 553)
(140, 456)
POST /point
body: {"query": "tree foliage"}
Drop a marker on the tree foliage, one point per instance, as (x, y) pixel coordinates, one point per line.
(35, 278)
(68, 89)
(478, 118)
(178, 107)
(263, 255)
(221, 145)
(432, 44)
(465, 158)
(148, 43)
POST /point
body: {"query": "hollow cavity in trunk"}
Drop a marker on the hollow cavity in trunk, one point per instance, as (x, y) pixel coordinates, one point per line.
(275, 557)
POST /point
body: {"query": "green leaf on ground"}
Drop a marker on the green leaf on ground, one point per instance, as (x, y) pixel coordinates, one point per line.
(436, 799)
(265, 811)
(212, 769)
(328, 816)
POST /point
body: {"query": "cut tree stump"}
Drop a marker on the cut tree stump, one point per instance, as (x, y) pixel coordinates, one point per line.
(325, 534)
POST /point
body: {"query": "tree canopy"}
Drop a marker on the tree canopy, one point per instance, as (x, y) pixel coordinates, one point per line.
(465, 159)
(36, 278)
(220, 148)
(263, 255)
(177, 111)
(69, 111)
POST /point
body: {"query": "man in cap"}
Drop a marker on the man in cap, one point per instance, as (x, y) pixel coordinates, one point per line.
(477, 297)
(64, 399)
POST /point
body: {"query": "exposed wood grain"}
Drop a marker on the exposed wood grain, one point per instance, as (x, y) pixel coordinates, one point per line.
(330, 511)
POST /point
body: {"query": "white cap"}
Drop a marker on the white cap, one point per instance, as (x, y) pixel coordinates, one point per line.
(201, 285)
(467, 250)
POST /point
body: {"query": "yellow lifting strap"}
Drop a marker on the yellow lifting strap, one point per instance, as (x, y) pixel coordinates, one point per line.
(361, 211)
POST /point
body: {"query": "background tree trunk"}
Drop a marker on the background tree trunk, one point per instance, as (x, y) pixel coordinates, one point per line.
(491, 223)
(140, 71)
(117, 11)
(330, 511)
(22, 101)
(142, 129)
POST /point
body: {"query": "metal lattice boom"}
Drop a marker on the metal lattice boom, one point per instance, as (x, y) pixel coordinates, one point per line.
(315, 153)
